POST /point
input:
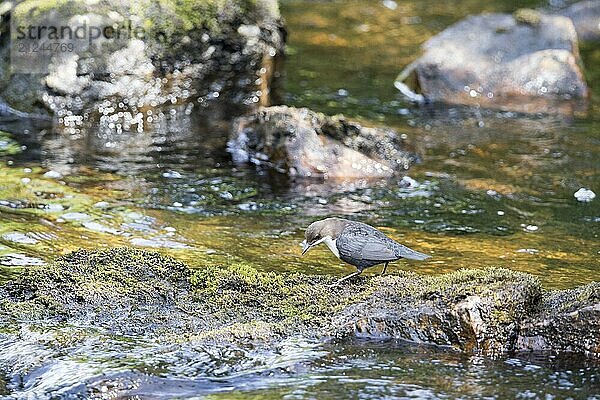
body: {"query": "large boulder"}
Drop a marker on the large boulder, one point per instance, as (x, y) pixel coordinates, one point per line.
(300, 142)
(199, 50)
(525, 62)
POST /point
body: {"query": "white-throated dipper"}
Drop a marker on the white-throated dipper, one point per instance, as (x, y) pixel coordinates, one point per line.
(357, 244)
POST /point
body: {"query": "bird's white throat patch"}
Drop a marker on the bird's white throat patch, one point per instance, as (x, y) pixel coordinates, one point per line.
(331, 244)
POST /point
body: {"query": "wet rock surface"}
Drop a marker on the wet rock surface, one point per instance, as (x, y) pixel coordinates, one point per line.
(526, 62)
(300, 142)
(568, 321)
(143, 294)
(200, 50)
(474, 310)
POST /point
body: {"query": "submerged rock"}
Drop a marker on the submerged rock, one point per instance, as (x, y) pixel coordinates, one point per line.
(138, 55)
(303, 143)
(139, 293)
(526, 62)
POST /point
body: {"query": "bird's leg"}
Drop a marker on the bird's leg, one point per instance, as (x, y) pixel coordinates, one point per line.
(352, 275)
(384, 268)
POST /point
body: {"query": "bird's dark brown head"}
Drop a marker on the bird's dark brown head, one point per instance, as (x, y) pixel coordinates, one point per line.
(319, 230)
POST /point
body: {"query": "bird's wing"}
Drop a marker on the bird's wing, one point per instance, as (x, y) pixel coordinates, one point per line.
(371, 244)
(378, 250)
(355, 243)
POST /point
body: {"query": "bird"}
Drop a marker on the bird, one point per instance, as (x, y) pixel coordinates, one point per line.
(356, 243)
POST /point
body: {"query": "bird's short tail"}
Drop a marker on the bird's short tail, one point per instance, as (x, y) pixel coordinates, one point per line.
(413, 255)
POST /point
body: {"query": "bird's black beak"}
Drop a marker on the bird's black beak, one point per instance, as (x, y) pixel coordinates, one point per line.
(305, 247)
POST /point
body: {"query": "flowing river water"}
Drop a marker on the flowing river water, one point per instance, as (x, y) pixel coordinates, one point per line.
(491, 189)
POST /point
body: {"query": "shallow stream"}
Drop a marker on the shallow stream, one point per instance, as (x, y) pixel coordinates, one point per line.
(491, 189)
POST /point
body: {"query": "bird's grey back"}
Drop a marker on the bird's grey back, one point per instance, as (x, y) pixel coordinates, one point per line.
(364, 246)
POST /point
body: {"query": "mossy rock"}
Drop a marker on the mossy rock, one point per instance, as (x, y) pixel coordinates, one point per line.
(130, 291)
(184, 46)
(104, 283)
(135, 292)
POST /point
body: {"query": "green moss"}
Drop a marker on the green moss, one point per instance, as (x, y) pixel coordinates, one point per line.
(176, 27)
(235, 295)
(501, 316)
(528, 16)
(8, 146)
(104, 279)
(194, 14)
(236, 301)
(39, 308)
(36, 8)
(476, 281)
(248, 331)
(238, 276)
(242, 291)
(572, 299)
(274, 393)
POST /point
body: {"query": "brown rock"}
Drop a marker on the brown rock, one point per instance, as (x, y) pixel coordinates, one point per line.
(303, 143)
